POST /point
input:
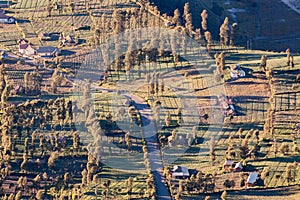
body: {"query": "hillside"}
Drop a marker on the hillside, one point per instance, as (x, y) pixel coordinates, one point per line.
(255, 18)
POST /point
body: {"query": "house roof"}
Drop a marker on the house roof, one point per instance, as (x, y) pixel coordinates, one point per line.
(23, 46)
(228, 162)
(238, 165)
(252, 178)
(47, 49)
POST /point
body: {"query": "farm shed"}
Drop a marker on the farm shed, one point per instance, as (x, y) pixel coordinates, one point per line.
(47, 51)
(180, 172)
(251, 180)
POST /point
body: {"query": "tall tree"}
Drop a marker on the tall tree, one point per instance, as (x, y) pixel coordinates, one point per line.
(204, 16)
(176, 18)
(224, 29)
(49, 8)
(208, 39)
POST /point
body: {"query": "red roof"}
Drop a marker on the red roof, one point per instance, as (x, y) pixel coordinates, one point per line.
(23, 46)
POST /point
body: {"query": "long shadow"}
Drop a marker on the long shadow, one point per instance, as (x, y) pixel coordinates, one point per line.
(290, 159)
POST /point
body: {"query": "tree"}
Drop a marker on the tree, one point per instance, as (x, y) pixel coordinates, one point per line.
(288, 57)
(18, 195)
(118, 17)
(229, 183)
(176, 19)
(84, 177)
(204, 16)
(263, 62)
(39, 195)
(288, 172)
(265, 173)
(284, 148)
(224, 35)
(5, 94)
(189, 23)
(208, 39)
(71, 6)
(49, 8)
(212, 145)
(168, 119)
(186, 10)
(198, 35)
(56, 81)
(275, 147)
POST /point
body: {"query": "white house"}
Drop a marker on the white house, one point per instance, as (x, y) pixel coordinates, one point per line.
(251, 180)
(6, 19)
(180, 172)
(238, 167)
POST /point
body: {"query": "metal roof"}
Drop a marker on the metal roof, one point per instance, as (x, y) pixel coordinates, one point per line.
(252, 178)
(47, 49)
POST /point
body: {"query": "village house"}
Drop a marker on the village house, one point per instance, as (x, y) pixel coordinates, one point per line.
(47, 51)
(238, 167)
(6, 19)
(230, 165)
(251, 180)
(227, 165)
(180, 172)
(26, 49)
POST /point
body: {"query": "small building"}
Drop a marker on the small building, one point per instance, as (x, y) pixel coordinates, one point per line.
(228, 164)
(47, 51)
(180, 172)
(238, 167)
(6, 19)
(26, 49)
(251, 180)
